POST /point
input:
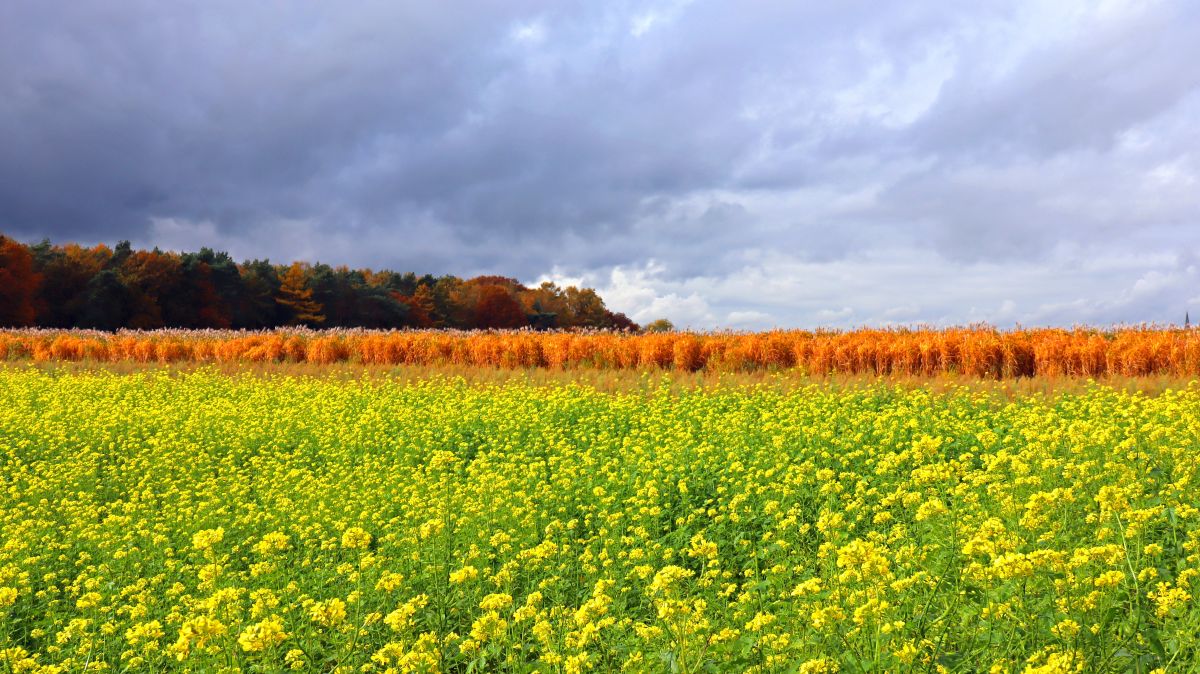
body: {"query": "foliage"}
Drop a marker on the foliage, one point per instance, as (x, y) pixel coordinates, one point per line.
(18, 285)
(296, 298)
(201, 522)
(76, 287)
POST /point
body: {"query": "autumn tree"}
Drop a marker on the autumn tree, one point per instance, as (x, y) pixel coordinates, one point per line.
(496, 308)
(545, 305)
(150, 277)
(66, 272)
(296, 297)
(18, 285)
(619, 321)
(453, 300)
(584, 308)
(422, 307)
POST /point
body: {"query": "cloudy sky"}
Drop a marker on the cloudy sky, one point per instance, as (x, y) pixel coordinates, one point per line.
(724, 164)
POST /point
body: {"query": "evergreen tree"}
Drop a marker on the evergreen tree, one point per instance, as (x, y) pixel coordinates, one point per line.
(257, 307)
(107, 302)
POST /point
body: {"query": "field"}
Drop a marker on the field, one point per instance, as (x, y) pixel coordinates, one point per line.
(201, 520)
(977, 352)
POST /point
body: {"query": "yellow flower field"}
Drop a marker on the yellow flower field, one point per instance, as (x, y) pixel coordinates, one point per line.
(205, 522)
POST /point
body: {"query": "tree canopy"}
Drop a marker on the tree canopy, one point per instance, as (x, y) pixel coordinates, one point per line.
(72, 286)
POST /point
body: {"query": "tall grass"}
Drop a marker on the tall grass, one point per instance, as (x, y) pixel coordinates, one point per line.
(977, 352)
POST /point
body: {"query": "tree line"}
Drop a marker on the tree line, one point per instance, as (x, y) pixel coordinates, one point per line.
(73, 286)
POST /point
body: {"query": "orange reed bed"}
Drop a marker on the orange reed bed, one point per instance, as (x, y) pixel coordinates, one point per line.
(974, 352)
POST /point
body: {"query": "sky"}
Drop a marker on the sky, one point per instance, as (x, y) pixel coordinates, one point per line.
(743, 165)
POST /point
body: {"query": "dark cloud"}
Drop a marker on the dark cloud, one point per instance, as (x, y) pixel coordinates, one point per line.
(848, 159)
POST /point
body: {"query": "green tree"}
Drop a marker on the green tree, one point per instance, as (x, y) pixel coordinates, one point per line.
(257, 307)
(107, 305)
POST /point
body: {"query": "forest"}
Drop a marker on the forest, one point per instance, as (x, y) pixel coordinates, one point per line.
(73, 286)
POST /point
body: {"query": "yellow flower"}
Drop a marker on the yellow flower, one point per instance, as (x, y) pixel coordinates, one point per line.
(668, 578)
(1054, 662)
(207, 538)
(1066, 629)
(272, 542)
(295, 659)
(496, 602)
(401, 618)
(907, 652)
(930, 509)
(356, 538)
(819, 666)
(328, 613)
(262, 635)
(760, 621)
(463, 575)
(702, 547)
(487, 627)
(196, 633)
(810, 586)
(863, 560)
(147, 631)
(827, 616)
(389, 581)
(1112, 499)
(1169, 601)
(1012, 565)
(89, 600)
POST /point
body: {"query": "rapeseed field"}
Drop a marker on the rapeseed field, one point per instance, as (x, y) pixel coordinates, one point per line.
(202, 522)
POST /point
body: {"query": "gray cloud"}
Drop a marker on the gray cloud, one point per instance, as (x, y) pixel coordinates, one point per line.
(772, 163)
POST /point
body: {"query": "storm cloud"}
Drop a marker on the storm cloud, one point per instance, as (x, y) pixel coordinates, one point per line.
(749, 164)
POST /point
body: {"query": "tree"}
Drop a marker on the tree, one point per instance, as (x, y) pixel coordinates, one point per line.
(422, 308)
(257, 307)
(66, 272)
(149, 277)
(121, 253)
(404, 284)
(620, 321)
(214, 287)
(18, 285)
(107, 304)
(585, 309)
(660, 325)
(545, 305)
(376, 307)
(296, 297)
(453, 303)
(496, 308)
